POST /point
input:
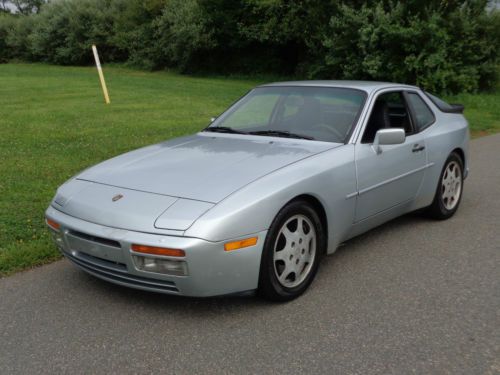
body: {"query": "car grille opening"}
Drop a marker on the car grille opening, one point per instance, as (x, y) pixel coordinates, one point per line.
(117, 272)
(99, 240)
(103, 262)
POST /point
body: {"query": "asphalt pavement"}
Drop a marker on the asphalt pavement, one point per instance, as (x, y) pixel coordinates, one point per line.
(413, 296)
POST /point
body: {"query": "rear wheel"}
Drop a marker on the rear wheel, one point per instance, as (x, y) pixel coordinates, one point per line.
(449, 189)
(292, 250)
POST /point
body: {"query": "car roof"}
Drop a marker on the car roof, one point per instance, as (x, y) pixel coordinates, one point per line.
(367, 86)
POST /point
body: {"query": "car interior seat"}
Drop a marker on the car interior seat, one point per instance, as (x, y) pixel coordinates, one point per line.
(379, 119)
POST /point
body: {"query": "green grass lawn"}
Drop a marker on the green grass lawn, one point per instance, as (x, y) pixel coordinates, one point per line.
(482, 111)
(53, 123)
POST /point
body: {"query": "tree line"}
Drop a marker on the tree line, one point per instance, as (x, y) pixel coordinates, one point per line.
(442, 45)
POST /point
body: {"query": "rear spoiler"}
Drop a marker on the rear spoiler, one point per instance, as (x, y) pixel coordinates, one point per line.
(455, 108)
(442, 105)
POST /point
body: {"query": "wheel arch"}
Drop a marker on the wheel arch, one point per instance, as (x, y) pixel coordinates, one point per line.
(461, 154)
(320, 210)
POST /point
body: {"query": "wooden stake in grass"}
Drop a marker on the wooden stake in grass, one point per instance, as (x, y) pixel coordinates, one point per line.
(101, 75)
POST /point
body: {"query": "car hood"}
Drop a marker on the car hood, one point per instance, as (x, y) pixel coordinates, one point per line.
(205, 167)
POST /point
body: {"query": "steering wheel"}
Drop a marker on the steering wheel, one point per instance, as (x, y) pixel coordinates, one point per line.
(331, 130)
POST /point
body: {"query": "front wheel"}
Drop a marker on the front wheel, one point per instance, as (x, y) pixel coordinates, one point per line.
(293, 248)
(449, 189)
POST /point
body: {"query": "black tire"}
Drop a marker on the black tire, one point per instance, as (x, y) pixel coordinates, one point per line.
(438, 209)
(269, 285)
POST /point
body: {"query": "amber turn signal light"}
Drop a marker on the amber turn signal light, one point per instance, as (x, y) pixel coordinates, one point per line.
(235, 245)
(158, 251)
(51, 223)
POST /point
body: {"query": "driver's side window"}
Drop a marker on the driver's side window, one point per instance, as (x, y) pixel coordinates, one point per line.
(389, 111)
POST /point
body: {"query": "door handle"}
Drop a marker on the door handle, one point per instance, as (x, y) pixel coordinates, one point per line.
(417, 148)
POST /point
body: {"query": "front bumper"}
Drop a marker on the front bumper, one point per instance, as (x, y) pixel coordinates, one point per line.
(105, 253)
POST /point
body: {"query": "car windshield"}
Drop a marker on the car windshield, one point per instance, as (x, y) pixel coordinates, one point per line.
(319, 113)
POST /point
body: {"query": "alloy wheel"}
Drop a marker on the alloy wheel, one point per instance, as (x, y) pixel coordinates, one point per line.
(294, 251)
(451, 185)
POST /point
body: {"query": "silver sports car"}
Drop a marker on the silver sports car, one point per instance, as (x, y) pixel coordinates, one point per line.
(256, 199)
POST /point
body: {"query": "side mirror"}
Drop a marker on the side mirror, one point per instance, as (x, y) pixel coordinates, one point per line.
(393, 136)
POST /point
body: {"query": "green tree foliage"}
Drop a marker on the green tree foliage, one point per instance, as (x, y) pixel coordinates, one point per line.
(15, 31)
(294, 29)
(182, 35)
(18, 39)
(6, 25)
(4, 7)
(442, 45)
(66, 29)
(134, 33)
(27, 7)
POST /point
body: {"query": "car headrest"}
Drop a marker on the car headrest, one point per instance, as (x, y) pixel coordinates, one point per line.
(380, 115)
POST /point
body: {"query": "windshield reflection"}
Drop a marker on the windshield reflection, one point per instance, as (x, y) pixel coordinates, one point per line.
(306, 112)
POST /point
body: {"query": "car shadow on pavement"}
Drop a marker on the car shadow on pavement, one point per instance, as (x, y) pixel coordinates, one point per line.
(172, 303)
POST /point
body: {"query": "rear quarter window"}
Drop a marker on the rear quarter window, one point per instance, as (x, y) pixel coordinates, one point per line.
(423, 115)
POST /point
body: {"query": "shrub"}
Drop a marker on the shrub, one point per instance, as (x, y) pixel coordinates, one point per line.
(18, 37)
(65, 31)
(443, 50)
(133, 32)
(14, 36)
(293, 30)
(182, 34)
(444, 46)
(6, 26)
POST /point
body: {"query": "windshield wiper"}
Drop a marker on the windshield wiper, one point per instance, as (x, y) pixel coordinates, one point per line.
(222, 129)
(281, 133)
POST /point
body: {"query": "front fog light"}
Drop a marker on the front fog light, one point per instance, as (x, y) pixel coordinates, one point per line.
(57, 237)
(165, 266)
